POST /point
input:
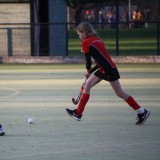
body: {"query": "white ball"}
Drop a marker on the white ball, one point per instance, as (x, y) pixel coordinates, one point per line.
(30, 120)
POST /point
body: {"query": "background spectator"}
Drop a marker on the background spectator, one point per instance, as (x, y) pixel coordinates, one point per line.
(101, 19)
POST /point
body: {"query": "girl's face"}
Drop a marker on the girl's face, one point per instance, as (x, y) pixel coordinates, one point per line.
(82, 35)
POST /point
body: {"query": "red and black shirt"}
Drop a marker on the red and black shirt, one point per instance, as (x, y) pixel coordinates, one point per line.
(93, 47)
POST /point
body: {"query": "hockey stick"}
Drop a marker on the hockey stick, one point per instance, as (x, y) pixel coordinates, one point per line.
(75, 100)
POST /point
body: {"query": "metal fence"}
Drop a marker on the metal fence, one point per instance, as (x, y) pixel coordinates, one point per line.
(23, 32)
(21, 41)
(122, 40)
(15, 41)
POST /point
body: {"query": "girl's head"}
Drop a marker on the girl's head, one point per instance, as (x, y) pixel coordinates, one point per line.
(84, 30)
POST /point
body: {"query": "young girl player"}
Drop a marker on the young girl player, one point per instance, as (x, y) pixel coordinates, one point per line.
(105, 69)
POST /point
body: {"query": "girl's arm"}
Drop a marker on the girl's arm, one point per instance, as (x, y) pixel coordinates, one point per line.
(88, 62)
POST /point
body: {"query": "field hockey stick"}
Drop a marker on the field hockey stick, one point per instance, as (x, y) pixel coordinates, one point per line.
(75, 100)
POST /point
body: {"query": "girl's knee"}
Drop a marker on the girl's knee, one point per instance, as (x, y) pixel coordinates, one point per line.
(119, 95)
(86, 87)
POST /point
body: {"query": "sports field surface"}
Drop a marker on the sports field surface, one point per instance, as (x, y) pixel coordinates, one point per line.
(107, 130)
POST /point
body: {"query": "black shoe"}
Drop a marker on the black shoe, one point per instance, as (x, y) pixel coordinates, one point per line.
(142, 117)
(1, 131)
(73, 114)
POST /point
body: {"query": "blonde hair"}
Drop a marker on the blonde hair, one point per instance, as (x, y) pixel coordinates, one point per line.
(87, 27)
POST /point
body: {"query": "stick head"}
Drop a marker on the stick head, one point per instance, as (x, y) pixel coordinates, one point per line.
(75, 102)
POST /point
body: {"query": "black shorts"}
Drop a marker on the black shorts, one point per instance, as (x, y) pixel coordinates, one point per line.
(110, 75)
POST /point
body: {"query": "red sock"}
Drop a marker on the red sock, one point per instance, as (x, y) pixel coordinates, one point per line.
(132, 103)
(84, 99)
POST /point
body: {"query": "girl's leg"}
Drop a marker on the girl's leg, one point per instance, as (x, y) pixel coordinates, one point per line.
(122, 94)
(91, 81)
(118, 90)
(143, 114)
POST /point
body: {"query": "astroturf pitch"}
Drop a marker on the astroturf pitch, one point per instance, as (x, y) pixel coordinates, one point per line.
(107, 130)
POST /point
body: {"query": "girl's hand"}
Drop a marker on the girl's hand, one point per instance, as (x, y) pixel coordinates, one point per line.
(87, 74)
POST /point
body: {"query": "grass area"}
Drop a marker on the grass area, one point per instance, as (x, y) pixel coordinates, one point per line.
(131, 41)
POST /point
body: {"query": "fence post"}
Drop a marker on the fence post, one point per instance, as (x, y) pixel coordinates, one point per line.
(158, 36)
(158, 29)
(117, 28)
(9, 37)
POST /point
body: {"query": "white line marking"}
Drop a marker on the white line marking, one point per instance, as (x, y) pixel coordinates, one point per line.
(14, 92)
